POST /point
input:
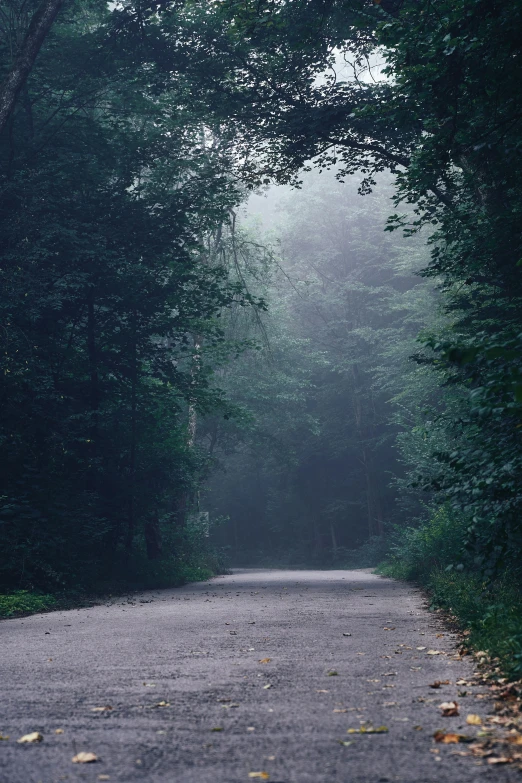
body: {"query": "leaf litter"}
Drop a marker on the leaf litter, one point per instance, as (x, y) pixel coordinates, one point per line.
(34, 736)
(84, 758)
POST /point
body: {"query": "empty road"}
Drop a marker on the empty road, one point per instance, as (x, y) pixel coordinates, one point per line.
(261, 671)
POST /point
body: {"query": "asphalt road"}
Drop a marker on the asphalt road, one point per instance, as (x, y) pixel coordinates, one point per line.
(242, 670)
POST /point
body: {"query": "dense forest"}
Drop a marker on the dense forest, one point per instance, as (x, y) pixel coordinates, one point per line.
(341, 374)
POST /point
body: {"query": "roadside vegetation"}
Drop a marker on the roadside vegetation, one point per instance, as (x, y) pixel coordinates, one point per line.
(487, 608)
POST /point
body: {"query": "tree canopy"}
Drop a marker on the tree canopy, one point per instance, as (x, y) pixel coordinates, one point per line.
(138, 356)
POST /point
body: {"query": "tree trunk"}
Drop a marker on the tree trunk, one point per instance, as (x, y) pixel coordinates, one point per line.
(41, 23)
(153, 538)
(131, 522)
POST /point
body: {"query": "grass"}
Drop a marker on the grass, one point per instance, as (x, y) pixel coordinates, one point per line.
(25, 602)
(489, 610)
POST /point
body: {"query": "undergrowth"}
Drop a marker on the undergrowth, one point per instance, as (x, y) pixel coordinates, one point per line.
(490, 609)
(195, 561)
(24, 601)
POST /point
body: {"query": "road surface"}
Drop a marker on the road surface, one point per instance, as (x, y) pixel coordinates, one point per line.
(261, 671)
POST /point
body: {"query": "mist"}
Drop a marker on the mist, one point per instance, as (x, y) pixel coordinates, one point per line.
(317, 470)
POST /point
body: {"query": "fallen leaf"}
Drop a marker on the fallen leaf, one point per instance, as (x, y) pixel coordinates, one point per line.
(104, 777)
(449, 708)
(450, 738)
(261, 775)
(149, 684)
(251, 622)
(251, 728)
(266, 687)
(4, 737)
(229, 706)
(434, 652)
(390, 704)
(499, 760)
(346, 743)
(368, 730)
(417, 728)
(389, 674)
(58, 731)
(162, 704)
(420, 648)
(474, 720)
(84, 758)
(339, 710)
(332, 673)
(372, 680)
(391, 628)
(438, 683)
(217, 728)
(107, 708)
(513, 740)
(35, 736)
(322, 691)
(347, 634)
(265, 660)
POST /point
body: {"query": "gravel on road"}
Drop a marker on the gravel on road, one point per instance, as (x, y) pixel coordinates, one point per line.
(261, 674)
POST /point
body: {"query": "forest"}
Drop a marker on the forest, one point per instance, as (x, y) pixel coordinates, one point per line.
(261, 295)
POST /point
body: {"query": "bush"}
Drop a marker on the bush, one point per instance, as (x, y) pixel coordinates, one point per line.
(414, 552)
(22, 601)
(433, 555)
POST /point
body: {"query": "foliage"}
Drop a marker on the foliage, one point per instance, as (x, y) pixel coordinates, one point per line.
(112, 206)
(21, 601)
(432, 93)
(432, 554)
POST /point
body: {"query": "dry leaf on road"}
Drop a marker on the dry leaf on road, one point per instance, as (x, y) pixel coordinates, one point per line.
(35, 736)
(107, 708)
(58, 731)
(4, 737)
(450, 738)
(261, 775)
(84, 758)
(474, 720)
(265, 660)
(499, 760)
(449, 708)
(369, 730)
(434, 652)
(438, 683)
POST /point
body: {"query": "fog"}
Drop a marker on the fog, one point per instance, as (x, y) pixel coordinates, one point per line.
(316, 469)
